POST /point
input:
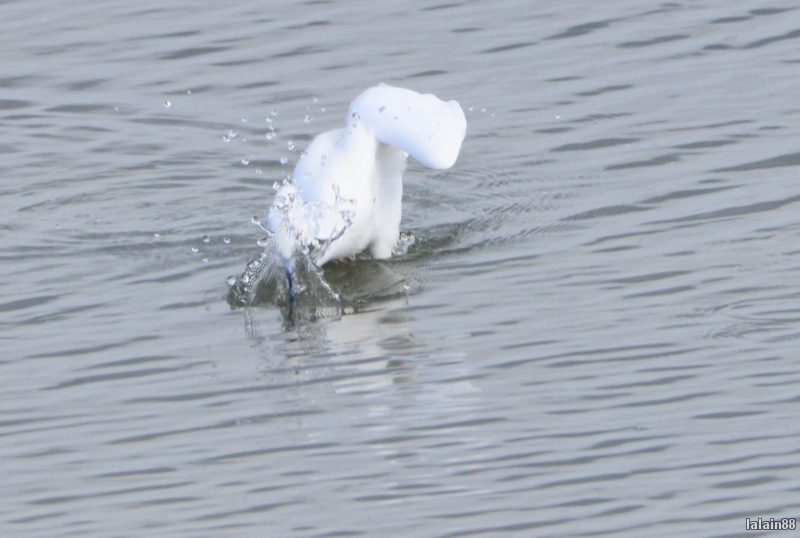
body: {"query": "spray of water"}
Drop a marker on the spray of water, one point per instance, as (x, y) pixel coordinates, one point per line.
(313, 226)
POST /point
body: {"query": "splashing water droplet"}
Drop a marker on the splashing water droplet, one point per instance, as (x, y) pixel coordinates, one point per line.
(322, 109)
(225, 138)
(274, 112)
(470, 109)
(227, 240)
(381, 109)
(195, 250)
(231, 281)
(303, 154)
(558, 116)
(258, 170)
(322, 160)
(232, 134)
(290, 145)
(306, 119)
(156, 235)
(269, 120)
(483, 109)
(255, 220)
(167, 104)
(244, 120)
(245, 162)
(316, 100)
(270, 136)
(206, 239)
(404, 242)
(205, 260)
(284, 160)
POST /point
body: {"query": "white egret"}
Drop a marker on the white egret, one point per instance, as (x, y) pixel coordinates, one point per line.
(346, 190)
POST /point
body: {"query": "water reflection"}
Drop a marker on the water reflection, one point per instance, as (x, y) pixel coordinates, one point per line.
(364, 345)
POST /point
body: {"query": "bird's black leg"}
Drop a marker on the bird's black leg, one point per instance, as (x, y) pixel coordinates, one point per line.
(292, 296)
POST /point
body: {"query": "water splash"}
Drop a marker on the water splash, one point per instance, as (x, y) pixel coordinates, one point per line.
(313, 226)
(264, 281)
(404, 242)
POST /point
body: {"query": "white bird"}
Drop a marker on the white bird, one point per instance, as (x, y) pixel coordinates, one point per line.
(346, 192)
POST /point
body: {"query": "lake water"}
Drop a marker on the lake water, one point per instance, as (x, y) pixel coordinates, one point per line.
(601, 334)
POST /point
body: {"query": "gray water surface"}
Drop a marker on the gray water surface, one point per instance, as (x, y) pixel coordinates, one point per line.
(601, 334)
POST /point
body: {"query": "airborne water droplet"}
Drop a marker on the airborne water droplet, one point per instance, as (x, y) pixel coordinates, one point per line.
(306, 119)
(245, 162)
(274, 112)
(195, 250)
(232, 134)
(284, 160)
(270, 136)
(206, 239)
(290, 145)
(255, 220)
(231, 281)
(381, 109)
(244, 120)
(167, 104)
(227, 240)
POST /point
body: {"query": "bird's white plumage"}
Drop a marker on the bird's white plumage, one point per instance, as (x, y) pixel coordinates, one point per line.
(347, 190)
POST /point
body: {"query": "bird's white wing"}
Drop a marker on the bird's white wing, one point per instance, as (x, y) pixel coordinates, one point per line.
(428, 129)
